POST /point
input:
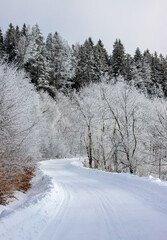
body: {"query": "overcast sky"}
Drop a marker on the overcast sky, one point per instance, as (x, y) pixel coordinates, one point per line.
(138, 23)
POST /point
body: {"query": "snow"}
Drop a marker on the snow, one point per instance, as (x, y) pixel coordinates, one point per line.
(69, 202)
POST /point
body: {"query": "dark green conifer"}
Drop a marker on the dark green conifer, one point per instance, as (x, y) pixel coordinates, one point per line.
(10, 43)
(118, 59)
(101, 59)
(1, 44)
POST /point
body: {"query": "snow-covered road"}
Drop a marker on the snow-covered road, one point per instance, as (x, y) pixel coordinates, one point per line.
(87, 204)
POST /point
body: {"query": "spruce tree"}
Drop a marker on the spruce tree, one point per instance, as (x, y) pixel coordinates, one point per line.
(101, 59)
(50, 55)
(86, 71)
(142, 74)
(90, 67)
(17, 34)
(147, 55)
(1, 44)
(146, 77)
(164, 74)
(10, 43)
(138, 57)
(35, 59)
(61, 64)
(156, 69)
(78, 53)
(23, 46)
(118, 59)
(137, 71)
(24, 30)
(128, 68)
(154, 88)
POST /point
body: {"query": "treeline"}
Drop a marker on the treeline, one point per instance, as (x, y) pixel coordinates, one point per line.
(53, 65)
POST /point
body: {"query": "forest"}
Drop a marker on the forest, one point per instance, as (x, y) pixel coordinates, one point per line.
(60, 101)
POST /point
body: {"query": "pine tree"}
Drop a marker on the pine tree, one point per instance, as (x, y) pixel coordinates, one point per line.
(128, 68)
(24, 30)
(147, 55)
(138, 57)
(79, 64)
(137, 72)
(1, 44)
(146, 77)
(142, 75)
(155, 88)
(86, 68)
(90, 68)
(118, 59)
(61, 65)
(101, 59)
(22, 48)
(17, 34)
(10, 43)
(50, 55)
(164, 74)
(35, 59)
(157, 69)
(17, 39)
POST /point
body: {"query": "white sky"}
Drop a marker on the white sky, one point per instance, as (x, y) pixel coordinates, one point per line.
(138, 23)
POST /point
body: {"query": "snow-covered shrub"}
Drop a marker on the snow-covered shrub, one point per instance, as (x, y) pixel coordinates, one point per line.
(19, 133)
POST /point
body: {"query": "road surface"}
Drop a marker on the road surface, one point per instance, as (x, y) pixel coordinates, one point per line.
(87, 204)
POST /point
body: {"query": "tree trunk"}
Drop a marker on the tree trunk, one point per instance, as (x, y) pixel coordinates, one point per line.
(90, 147)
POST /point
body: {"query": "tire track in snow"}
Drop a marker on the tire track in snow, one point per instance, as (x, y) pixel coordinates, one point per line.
(115, 227)
(59, 212)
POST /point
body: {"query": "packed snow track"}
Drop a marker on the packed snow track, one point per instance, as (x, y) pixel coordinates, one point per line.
(87, 204)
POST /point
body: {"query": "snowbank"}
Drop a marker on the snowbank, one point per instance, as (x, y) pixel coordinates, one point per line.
(41, 184)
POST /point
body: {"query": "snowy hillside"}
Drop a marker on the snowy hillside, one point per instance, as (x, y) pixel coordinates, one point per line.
(73, 203)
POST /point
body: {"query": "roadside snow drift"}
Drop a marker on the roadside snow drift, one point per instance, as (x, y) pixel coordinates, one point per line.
(73, 203)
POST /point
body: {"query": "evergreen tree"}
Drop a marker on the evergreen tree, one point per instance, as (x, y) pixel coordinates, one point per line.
(146, 77)
(86, 71)
(137, 71)
(156, 69)
(78, 54)
(147, 55)
(17, 34)
(10, 43)
(142, 75)
(24, 30)
(128, 68)
(118, 59)
(35, 59)
(89, 60)
(155, 87)
(17, 39)
(164, 74)
(1, 44)
(23, 46)
(50, 55)
(138, 57)
(138, 62)
(101, 59)
(61, 62)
